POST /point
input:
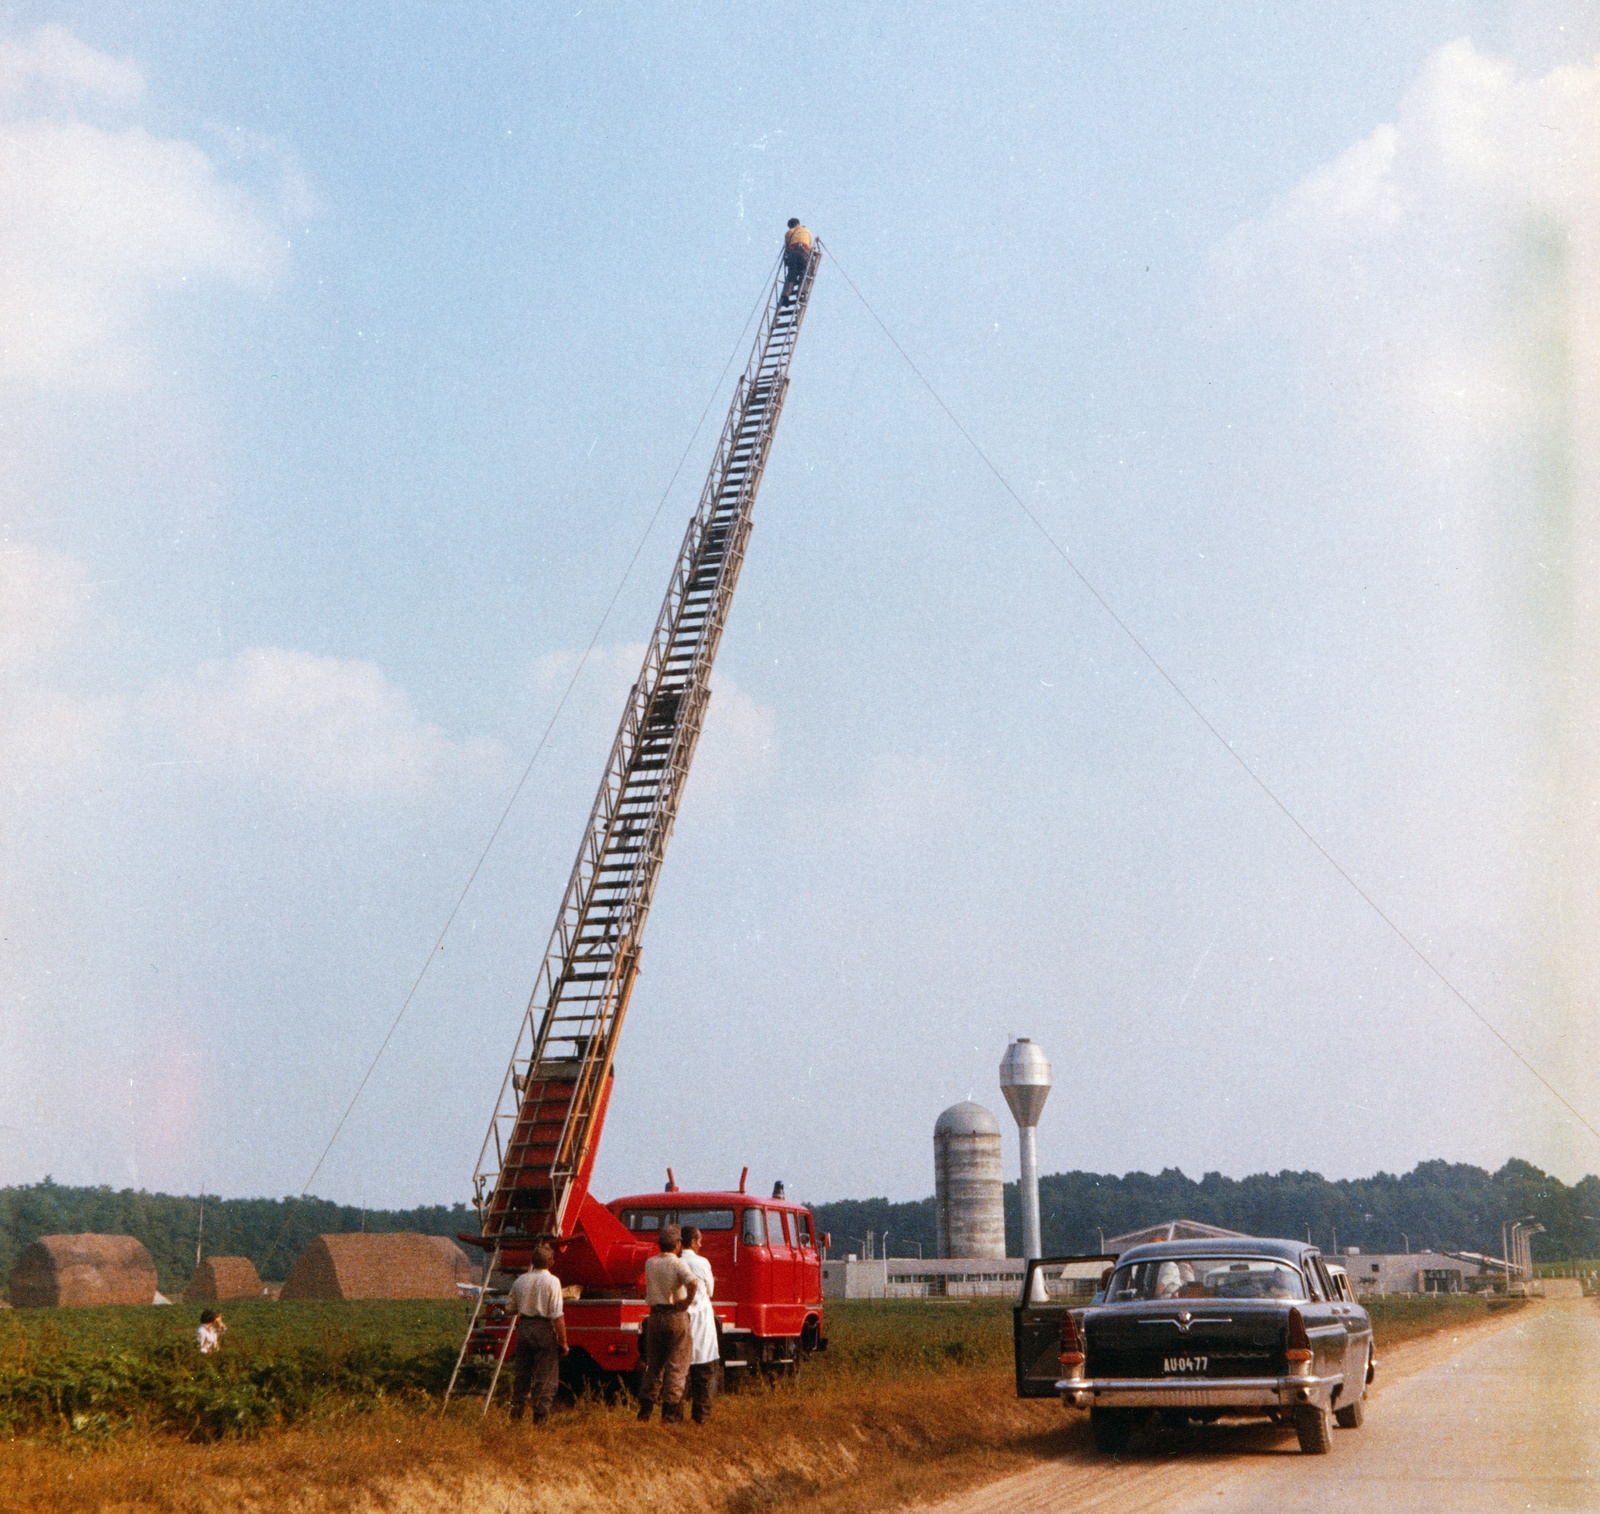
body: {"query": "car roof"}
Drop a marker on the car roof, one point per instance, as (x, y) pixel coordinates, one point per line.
(1244, 1245)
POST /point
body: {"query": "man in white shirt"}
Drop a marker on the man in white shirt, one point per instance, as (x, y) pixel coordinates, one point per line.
(705, 1350)
(670, 1287)
(541, 1328)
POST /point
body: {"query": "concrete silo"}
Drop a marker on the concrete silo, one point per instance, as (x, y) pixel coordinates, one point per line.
(968, 1182)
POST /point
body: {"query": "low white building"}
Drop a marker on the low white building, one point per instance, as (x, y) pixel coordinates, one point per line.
(1407, 1272)
(956, 1277)
(916, 1277)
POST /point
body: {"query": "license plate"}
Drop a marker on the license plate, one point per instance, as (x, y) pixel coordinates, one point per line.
(1184, 1363)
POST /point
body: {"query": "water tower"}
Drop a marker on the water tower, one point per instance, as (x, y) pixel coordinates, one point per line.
(1025, 1081)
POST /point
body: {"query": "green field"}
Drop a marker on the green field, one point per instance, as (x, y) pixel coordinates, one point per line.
(98, 1372)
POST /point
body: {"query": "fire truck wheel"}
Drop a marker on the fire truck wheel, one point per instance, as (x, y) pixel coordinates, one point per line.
(784, 1362)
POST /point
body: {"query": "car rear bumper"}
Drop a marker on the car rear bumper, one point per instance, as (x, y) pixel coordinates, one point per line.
(1196, 1393)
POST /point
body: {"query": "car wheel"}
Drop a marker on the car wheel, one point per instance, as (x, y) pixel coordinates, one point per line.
(1110, 1429)
(1351, 1415)
(1314, 1425)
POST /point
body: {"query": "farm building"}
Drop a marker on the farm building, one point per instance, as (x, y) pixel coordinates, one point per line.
(402, 1265)
(76, 1271)
(223, 1277)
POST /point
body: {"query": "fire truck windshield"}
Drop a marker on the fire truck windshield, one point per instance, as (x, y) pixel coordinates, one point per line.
(654, 1219)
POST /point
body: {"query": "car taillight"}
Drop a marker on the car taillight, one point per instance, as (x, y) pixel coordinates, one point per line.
(1297, 1343)
(1071, 1342)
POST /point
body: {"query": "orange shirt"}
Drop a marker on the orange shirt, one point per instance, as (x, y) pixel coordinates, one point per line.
(798, 236)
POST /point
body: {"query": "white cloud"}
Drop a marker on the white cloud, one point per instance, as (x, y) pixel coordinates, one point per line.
(42, 595)
(316, 725)
(99, 220)
(1423, 262)
(1437, 288)
(45, 733)
(52, 64)
(736, 746)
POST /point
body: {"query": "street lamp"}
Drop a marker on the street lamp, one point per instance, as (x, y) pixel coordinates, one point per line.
(1527, 1246)
(1519, 1241)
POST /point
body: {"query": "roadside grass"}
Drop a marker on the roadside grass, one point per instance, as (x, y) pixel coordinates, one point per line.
(1400, 1317)
(912, 1401)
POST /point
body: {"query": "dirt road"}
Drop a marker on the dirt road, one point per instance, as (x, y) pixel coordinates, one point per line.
(1505, 1418)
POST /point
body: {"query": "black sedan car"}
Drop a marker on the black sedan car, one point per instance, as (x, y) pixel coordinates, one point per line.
(1197, 1331)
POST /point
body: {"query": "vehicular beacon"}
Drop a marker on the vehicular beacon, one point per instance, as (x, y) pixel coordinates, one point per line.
(1197, 1331)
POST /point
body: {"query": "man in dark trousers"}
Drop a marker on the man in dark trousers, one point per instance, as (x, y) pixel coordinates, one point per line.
(541, 1328)
(796, 257)
(669, 1288)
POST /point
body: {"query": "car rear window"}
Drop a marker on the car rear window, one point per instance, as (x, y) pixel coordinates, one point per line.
(1205, 1277)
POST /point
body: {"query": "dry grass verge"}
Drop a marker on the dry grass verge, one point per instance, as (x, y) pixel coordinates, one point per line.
(862, 1448)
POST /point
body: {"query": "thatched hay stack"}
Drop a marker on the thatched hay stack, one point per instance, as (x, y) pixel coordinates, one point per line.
(456, 1259)
(403, 1265)
(223, 1277)
(75, 1271)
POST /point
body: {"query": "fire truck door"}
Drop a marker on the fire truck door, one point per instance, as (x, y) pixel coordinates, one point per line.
(755, 1261)
(785, 1259)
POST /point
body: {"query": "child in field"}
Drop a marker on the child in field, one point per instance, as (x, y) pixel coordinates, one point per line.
(209, 1336)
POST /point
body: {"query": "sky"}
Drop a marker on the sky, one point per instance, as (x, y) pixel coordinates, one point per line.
(345, 357)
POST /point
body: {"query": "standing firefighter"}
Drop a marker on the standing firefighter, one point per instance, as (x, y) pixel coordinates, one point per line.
(541, 1336)
(796, 257)
(669, 1288)
(705, 1350)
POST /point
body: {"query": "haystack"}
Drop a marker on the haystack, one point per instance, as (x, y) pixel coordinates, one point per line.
(403, 1265)
(223, 1277)
(75, 1271)
(457, 1260)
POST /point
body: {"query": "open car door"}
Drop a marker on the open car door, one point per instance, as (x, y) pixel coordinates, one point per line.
(1050, 1287)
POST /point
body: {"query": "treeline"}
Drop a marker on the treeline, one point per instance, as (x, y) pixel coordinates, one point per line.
(1437, 1205)
(271, 1232)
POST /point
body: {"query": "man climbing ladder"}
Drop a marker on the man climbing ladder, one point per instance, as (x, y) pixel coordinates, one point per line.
(796, 257)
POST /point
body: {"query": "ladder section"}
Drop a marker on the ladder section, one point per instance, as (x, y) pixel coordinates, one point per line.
(545, 1121)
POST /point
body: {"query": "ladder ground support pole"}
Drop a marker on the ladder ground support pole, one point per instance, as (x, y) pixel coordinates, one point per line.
(472, 1325)
(552, 1098)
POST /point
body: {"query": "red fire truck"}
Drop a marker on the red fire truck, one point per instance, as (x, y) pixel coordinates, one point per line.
(532, 1178)
(764, 1254)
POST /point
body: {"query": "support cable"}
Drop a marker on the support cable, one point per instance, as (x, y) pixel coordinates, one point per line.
(505, 814)
(1194, 709)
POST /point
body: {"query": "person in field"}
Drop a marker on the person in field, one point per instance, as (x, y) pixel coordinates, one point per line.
(705, 1350)
(209, 1336)
(670, 1287)
(541, 1328)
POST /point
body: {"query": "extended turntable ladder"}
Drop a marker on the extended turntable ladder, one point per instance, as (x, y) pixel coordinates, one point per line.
(552, 1098)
